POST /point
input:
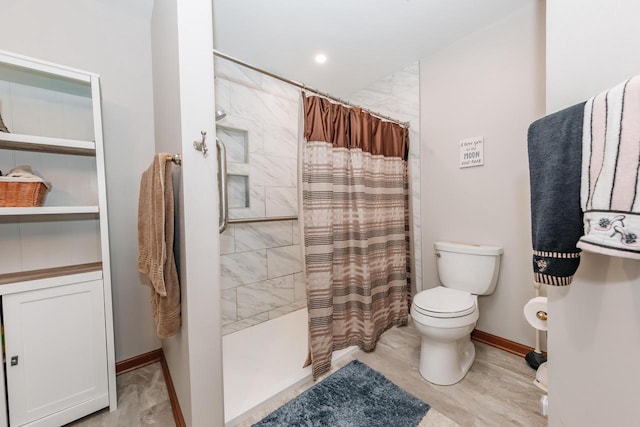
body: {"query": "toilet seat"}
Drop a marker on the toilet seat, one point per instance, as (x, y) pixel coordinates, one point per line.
(442, 302)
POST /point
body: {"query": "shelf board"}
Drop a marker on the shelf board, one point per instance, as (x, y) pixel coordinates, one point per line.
(16, 141)
(49, 210)
(48, 273)
(44, 68)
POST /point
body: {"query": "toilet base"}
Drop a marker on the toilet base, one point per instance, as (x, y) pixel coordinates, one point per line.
(446, 363)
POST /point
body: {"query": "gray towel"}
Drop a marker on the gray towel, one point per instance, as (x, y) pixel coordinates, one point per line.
(555, 158)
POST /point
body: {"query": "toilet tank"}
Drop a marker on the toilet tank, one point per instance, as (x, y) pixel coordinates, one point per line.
(468, 267)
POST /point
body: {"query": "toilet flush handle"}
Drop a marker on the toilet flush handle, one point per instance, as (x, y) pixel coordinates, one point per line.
(438, 254)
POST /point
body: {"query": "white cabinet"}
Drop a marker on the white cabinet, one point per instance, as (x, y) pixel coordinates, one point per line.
(56, 359)
(55, 282)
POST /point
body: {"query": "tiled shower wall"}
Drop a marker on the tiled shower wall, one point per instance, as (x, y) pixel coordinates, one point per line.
(261, 135)
(261, 262)
(261, 273)
(398, 96)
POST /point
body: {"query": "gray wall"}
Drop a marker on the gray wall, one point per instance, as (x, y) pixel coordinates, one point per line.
(489, 84)
(594, 324)
(111, 38)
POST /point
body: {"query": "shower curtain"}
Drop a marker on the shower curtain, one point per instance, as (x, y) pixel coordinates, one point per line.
(356, 227)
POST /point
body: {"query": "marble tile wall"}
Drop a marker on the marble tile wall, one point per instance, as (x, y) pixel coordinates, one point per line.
(261, 269)
(261, 262)
(261, 135)
(398, 96)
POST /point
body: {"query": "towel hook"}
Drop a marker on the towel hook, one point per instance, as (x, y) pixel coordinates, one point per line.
(201, 145)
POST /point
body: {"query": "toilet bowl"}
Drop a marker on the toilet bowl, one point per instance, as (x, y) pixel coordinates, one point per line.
(446, 352)
(445, 315)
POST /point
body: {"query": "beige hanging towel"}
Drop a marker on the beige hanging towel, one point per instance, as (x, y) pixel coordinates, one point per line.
(155, 244)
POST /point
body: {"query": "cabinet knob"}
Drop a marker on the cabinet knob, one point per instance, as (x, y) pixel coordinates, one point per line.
(14, 360)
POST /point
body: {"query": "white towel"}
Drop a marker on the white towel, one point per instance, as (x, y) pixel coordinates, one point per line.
(25, 173)
(609, 194)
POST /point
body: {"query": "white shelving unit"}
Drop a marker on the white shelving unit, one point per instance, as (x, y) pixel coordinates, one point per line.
(55, 282)
(43, 143)
(50, 210)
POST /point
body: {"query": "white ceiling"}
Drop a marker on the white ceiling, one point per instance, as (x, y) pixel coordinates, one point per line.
(365, 40)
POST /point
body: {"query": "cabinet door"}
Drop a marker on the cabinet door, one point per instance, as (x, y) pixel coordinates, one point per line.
(55, 353)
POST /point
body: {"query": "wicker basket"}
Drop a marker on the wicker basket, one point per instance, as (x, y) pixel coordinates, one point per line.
(17, 192)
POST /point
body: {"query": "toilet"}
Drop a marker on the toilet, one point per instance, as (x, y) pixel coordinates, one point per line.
(445, 315)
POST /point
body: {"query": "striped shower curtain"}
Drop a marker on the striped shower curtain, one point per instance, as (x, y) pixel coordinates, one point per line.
(356, 227)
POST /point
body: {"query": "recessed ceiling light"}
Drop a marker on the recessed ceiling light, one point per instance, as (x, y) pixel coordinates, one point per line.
(321, 58)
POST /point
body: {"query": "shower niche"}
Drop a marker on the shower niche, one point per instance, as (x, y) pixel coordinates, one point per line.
(238, 191)
(236, 142)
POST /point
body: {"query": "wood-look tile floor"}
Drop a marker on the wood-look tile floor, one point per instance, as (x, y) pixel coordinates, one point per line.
(497, 390)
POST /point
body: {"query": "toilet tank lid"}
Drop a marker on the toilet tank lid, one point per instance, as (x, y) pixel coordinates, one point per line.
(468, 248)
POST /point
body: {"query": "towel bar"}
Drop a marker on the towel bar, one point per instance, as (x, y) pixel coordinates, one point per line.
(175, 158)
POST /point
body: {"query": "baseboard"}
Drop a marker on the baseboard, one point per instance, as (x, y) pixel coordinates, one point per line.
(146, 359)
(173, 397)
(138, 361)
(501, 343)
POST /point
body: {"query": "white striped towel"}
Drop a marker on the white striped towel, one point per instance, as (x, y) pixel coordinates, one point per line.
(610, 161)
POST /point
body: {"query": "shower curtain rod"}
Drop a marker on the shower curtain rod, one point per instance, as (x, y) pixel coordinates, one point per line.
(310, 89)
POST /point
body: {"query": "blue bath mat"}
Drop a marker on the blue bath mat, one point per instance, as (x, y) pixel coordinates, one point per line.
(353, 396)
